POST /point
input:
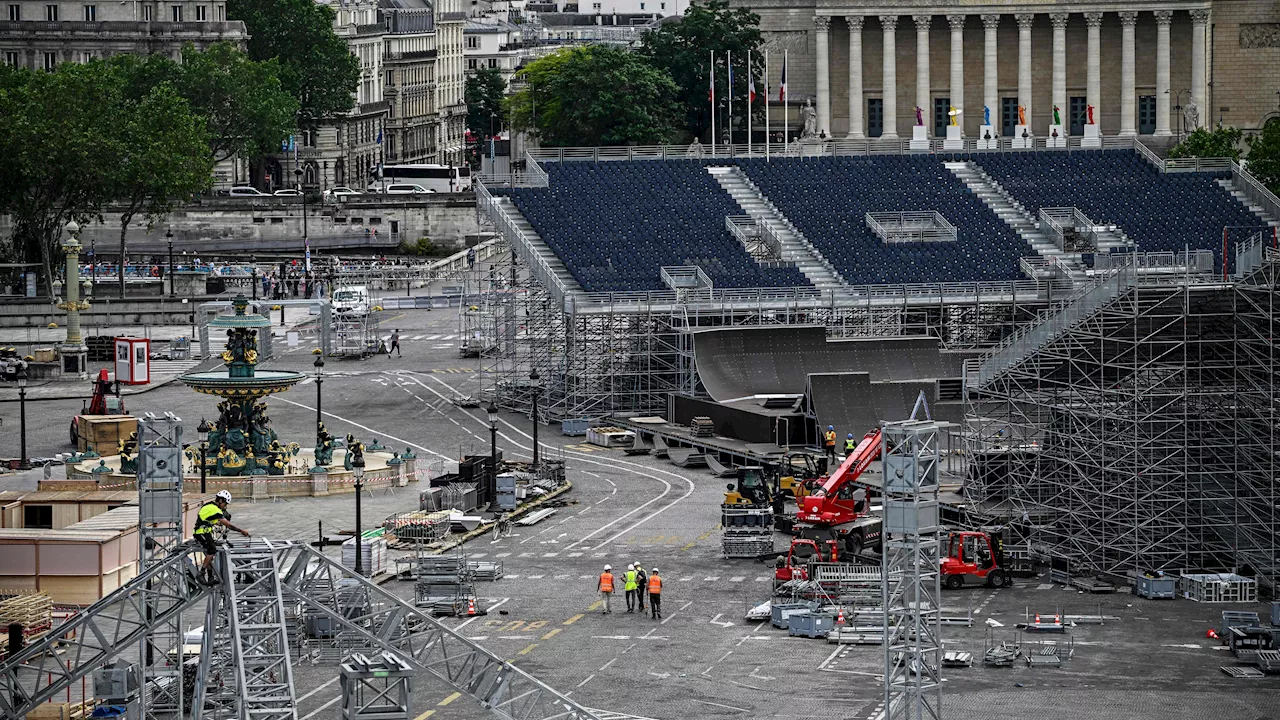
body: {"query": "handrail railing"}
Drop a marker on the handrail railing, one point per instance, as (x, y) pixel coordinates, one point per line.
(769, 236)
(1061, 220)
(1255, 191)
(521, 243)
(917, 226)
(1250, 253)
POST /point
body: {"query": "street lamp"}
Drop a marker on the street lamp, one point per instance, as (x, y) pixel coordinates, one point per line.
(492, 410)
(537, 390)
(168, 236)
(23, 462)
(357, 469)
(253, 272)
(1177, 109)
(306, 268)
(319, 365)
(203, 431)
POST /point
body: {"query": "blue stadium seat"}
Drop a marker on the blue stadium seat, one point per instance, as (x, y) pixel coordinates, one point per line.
(1158, 211)
(828, 198)
(616, 224)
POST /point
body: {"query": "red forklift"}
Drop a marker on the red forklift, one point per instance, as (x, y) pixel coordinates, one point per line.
(978, 556)
(795, 564)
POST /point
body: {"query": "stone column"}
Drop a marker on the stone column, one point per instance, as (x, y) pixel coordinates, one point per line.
(822, 26)
(924, 99)
(1024, 62)
(957, 65)
(855, 76)
(1199, 88)
(890, 83)
(1128, 82)
(990, 77)
(1059, 22)
(1093, 69)
(1163, 18)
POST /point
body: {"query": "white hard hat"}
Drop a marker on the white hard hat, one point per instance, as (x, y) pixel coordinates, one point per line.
(608, 567)
(655, 570)
(224, 495)
(631, 566)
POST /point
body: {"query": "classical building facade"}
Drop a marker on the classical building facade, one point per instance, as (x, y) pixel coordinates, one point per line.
(867, 67)
(451, 82)
(41, 34)
(409, 63)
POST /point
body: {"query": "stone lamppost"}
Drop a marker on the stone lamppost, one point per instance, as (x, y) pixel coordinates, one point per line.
(75, 356)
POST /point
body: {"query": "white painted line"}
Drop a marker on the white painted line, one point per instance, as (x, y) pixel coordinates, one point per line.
(737, 578)
(575, 554)
(366, 428)
(708, 702)
(318, 689)
(505, 554)
(320, 709)
(762, 578)
(511, 577)
(606, 665)
(435, 337)
(584, 682)
(533, 577)
(684, 579)
(713, 578)
(489, 609)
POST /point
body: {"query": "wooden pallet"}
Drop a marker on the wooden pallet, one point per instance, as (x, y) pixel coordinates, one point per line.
(34, 610)
(63, 711)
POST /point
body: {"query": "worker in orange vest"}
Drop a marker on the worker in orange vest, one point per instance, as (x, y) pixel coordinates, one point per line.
(605, 586)
(655, 593)
(829, 441)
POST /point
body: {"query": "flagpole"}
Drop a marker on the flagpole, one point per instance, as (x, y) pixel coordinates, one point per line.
(786, 101)
(728, 97)
(712, 98)
(751, 86)
(766, 105)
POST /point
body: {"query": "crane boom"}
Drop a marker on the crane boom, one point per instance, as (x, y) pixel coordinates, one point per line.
(815, 506)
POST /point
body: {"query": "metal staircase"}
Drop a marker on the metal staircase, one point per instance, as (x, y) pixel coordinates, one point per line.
(795, 248)
(1021, 345)
(1015, 216)
(1230, 186)
(259, 639)
(535, 244)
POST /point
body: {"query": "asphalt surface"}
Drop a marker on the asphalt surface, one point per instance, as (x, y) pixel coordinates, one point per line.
(703, 659)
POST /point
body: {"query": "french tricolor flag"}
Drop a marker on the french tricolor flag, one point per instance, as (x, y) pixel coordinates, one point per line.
(782, 85)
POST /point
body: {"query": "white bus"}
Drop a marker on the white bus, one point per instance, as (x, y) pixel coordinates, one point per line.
(435, 178)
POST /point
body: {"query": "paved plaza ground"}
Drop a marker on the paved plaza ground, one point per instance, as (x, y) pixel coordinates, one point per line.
(703, 660)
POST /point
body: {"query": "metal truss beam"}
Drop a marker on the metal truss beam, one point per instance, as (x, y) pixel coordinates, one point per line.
(259, 640)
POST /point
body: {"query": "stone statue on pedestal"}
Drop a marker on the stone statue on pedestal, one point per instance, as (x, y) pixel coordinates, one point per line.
(919, 116)
(1057, 118)
(1090, 109)
(1022, 115)
(809, 117)
(695, 149)
(1191, 114)
(986, 115)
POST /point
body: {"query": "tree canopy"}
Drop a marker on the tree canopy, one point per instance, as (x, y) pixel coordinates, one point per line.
(596, 95)
(314, 64)
(484, 93)
(683, 49)
(1202, 142)
(1264, 155)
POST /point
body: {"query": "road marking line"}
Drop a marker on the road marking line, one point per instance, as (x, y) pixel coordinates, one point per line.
(575, 554)
(737, 578)
(682, 607)
(584, 682)
(512, 577)
(313, 692)
(730, 707)
(595, 605)
(713, 578)
(425, 715)
(684, 579)
(762, 578)
(489, 609)
(725, 655)
(575, 618)
(606, 665)
(318, 710)
(505, 554)
(532, 577)
(528, 649)
(434, 337)
(450, 699)
(551, 633)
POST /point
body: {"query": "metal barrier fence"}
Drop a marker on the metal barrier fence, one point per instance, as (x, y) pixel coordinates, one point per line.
(901, 227)
(1062, 221)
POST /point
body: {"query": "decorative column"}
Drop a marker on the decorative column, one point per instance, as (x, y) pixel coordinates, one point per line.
(923, 96)
(1199, 88)
(1024, 63)
(1163, 18)
(990, 76)
(74, 354)
(855, 76)
(1093, 70)
(957, 65)
(1128, 82)
(1059, 22)
(821, 26)
(889, 23)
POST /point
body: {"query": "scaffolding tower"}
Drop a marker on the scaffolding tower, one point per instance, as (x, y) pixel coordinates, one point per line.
(1141, 436)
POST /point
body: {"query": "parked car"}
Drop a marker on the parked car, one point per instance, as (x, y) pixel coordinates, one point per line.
(340, 192)
(288, 192)
(246, 191)
(405, 189)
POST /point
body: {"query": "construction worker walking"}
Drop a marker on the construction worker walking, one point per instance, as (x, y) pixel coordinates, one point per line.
(629, 585)
(655, 593)
(849, 445)
(829, 441)
(642, 584)
(605, 586)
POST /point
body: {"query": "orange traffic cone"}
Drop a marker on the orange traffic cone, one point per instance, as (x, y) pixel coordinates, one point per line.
(1212, 634)
(840, 617)
(471, 606)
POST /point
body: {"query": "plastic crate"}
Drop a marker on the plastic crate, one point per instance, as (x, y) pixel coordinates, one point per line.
(782, 611)
(575, 427)
(810, 623)
(1218, 588)
(1157, 588)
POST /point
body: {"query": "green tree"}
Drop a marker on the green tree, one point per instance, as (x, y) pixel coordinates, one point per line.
(484, 93)
(163, 158)
(684, 50)
(1223, 142)
(58, 153)
(1264, 155)
(314, 64)
(246, 108)
(596, 95)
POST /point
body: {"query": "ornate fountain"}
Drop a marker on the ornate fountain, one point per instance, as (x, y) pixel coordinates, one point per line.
(242, 441)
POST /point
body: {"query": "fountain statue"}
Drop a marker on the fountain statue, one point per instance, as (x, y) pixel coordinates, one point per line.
(242, 441)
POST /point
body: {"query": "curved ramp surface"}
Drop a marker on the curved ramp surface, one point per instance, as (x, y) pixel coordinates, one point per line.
(735, 363)
(852, 403)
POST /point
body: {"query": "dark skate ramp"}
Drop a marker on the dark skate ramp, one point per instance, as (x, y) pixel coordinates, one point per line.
(852, 403)
(735, 363)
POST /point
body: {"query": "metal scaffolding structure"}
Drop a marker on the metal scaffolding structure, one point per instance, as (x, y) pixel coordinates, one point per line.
(1140, 433)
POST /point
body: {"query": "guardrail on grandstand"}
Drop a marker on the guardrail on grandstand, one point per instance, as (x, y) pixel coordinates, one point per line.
(1061, 219)
(920, 226)
(533, 175)
(1255, 191)
(521, 243)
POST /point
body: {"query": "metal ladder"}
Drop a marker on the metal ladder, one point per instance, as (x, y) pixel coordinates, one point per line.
(259, 637)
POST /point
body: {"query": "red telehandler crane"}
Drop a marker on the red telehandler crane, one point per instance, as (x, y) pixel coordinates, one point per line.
(839, 510)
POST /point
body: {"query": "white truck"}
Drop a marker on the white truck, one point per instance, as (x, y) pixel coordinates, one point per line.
(352, 300)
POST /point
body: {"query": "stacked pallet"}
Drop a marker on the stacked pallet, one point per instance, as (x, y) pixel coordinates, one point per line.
(32, 610)
(63, 711)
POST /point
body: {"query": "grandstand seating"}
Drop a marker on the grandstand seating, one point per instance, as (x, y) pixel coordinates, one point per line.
(616, 224)
(1159, 211)
(827, 199)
